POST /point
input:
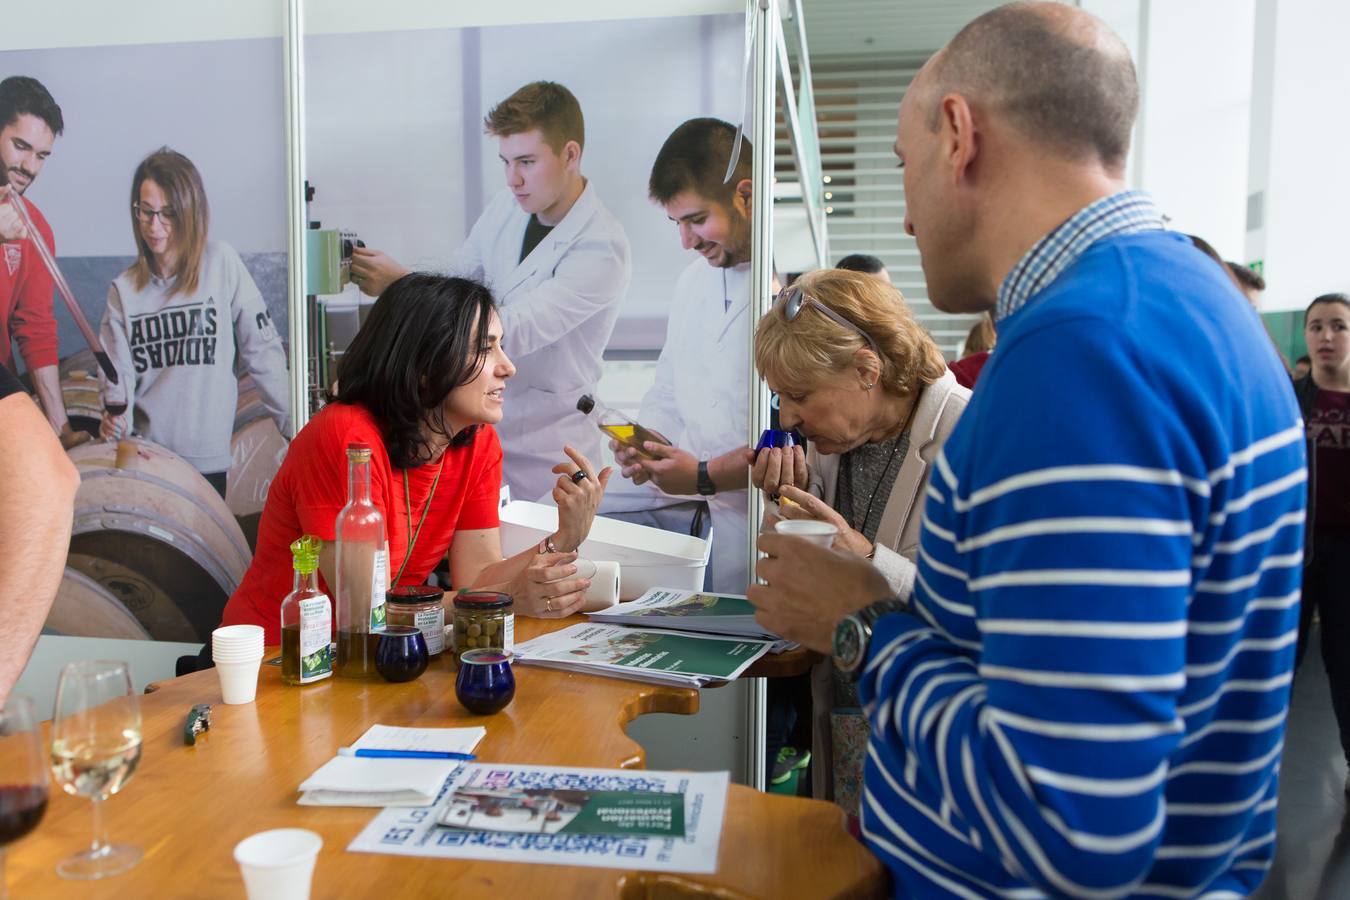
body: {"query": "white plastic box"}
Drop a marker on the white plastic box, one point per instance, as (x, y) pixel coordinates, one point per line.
(647, 557)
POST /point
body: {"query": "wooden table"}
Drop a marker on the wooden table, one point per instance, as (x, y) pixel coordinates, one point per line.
(187, 807)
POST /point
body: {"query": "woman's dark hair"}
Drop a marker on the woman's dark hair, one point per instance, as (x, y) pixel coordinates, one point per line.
(1342, 299)
(425, 336)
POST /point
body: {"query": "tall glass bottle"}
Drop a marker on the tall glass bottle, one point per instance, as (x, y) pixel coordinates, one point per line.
(306, 620)
(362, 571)
(618, 426)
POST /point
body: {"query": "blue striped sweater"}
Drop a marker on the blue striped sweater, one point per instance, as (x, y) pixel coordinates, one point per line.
(1089, 696)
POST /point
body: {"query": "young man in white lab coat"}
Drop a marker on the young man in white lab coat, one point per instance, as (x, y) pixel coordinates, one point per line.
(557, 262)
(700, 401)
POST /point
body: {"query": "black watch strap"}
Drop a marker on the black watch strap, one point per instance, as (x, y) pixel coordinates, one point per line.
(705, 483)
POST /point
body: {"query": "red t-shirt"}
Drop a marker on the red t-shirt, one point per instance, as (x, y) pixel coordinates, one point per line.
(967, 370)
(26, 298)
(1329, 431)
(311, 489)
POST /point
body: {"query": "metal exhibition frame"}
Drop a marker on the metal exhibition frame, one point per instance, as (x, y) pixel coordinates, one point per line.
(766, 50)
(764, 14)
(297, 216)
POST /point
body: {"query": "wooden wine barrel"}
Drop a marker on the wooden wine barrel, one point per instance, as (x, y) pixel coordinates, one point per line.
(84, 401)
(84, 608)
(249, 407)
(150, 511)
(81, 362)
(256, 451)
(153, 609)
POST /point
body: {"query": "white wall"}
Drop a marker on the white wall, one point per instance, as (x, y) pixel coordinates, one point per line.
(384, 139)
(1195, 116)
(394, 121)
(218, 102)
(1194, 60)
(1299, 133)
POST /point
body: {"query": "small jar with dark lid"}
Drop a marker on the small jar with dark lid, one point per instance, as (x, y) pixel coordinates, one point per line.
(418, 606)
(483, 619)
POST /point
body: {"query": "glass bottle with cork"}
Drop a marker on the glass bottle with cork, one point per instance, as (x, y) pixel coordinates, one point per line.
(362, 571)
(618, 426)
(306, 620)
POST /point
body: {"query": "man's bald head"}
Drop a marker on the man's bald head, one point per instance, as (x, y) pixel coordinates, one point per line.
(1055, 73)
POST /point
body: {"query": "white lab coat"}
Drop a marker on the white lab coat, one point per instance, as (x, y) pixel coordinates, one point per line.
(558, 307)
(701, 398)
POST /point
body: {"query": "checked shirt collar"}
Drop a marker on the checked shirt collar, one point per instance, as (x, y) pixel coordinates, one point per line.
(1124, 213)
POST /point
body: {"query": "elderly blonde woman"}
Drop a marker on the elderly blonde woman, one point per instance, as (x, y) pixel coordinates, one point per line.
(858, 376)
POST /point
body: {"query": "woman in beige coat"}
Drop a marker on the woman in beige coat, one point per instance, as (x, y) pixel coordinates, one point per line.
(866, 385)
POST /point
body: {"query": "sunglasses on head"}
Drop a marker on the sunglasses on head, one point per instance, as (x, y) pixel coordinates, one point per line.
(792, 299)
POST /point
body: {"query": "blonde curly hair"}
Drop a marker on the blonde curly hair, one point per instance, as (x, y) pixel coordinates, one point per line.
(798, 355)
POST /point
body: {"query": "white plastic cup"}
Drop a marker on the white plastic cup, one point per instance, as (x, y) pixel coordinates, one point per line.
(239, 680)
(822, 533)
(278, 864)
(235, 637)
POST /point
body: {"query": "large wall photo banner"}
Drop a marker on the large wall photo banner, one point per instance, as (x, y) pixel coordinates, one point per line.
(525, 156)
(157, 173)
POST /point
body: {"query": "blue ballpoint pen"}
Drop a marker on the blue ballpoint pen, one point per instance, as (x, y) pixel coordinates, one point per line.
(404, 754)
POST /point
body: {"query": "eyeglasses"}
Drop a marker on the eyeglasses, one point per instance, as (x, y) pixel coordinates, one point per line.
(792, 300)
(145, 215)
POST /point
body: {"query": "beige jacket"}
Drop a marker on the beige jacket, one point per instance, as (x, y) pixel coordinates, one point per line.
(897, 546)
(897, 541)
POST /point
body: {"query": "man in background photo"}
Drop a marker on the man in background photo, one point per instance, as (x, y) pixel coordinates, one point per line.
(557, 262)
(31, 123)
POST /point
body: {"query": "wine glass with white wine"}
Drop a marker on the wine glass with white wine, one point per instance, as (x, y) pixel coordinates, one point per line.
(96, 744)
(23, 775)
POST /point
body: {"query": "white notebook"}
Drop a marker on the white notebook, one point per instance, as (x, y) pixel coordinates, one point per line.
(354, 781)
(364, 781)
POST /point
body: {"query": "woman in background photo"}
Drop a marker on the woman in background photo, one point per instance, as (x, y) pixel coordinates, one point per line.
(182, 323)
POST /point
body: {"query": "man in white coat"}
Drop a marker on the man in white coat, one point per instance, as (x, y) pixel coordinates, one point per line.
(700, 400)
(557, 262)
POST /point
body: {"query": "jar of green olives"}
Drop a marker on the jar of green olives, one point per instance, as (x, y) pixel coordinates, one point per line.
(483, 619)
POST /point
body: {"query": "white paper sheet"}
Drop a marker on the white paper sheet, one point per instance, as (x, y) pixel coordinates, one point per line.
(443, 740)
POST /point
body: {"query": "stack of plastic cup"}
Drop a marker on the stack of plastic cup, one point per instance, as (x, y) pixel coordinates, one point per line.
(238, 651)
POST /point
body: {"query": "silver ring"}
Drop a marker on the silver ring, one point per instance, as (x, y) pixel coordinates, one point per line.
(578, 476)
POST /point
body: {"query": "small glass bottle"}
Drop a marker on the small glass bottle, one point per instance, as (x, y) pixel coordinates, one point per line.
(618, 426)
(306, 620)
(362, 571)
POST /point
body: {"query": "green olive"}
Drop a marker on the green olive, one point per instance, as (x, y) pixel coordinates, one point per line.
(475, 630)
(490, 627)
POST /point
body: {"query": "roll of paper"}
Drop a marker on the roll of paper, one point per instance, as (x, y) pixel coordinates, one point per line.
(604, 590)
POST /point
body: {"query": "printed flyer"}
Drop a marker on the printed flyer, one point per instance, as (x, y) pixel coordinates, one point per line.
(662, 657)
(654, 839)
(683, 610)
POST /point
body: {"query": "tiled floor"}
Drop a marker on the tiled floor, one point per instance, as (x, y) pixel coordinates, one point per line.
(1312, 857)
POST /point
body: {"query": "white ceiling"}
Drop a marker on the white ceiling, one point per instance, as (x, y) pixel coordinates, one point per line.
(910, 27)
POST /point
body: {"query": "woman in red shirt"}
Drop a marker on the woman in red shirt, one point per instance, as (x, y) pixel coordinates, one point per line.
(422, 385)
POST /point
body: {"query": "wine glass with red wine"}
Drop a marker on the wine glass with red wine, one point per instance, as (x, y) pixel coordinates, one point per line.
(23, 775)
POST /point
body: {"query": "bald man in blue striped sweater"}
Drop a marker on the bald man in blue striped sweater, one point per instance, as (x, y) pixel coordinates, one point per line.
(1086, 694)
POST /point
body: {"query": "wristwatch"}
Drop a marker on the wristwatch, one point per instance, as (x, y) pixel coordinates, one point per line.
(705, 483)
(853, 635)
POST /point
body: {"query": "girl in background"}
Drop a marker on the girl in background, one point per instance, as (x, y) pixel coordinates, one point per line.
(182, 323)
